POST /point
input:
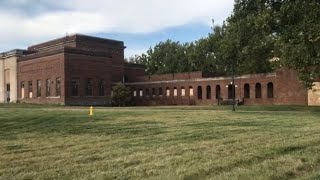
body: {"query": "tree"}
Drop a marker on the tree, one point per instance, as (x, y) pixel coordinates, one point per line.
(250, 36)
(256, 32)
(300, 38)
(286, 30)
(120, 95)
(165, 57)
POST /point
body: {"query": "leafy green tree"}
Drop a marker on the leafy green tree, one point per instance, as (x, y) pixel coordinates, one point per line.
(300, 38)
(256, 32)
(250, 35)
(286, 30)
(165, 57)
(121, 95)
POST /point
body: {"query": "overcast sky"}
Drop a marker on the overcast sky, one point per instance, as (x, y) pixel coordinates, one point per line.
(139, 23)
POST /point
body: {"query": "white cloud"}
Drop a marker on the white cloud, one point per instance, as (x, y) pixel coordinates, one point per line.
(106, 16)
(135, 51)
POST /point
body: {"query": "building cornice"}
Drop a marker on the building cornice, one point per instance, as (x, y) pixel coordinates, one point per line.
(64, 50)
(203, 79)
(12, 53)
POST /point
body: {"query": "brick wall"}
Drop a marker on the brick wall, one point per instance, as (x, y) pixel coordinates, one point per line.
(42, 68)
(77, 56)
(132, 71)
(289, 89)
(85, 67)
(286, 90)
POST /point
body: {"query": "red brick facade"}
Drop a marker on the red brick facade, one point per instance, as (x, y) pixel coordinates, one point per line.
(281, 87)
(85, 67)
(80, 70)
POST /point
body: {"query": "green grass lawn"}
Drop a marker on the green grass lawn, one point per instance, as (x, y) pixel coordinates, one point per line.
(52, 142)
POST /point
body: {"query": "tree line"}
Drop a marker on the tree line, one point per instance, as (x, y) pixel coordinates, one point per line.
(258, 37)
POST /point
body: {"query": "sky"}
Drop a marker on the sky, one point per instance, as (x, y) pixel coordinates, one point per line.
(141, 24)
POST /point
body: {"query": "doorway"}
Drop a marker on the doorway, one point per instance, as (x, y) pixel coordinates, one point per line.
(231, 91)
(8, 93)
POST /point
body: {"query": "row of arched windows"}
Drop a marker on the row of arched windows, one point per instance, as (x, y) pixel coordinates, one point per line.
(160, 92)
(258, 90)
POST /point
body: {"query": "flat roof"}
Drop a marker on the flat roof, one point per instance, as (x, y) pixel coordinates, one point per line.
(14, 52)
(77, 38)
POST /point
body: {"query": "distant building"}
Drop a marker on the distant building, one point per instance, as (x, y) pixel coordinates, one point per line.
(81, 70)
(8, 75)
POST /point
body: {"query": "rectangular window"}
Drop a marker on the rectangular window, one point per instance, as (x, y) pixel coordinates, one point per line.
(58, 87)
(168, 92)
(134, 93)
(38, 88)
(8, 92)
(183, 92)
(75, 82)
(191, 91)
(30, 89)
(160, 91)
(48, 87)
(22, 90)
(102, 85)
(175, 92)
(89, 89)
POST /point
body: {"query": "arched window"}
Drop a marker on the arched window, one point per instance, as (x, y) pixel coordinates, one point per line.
(258, 90)
(134, 93)
(199, 92)
(168, 91)
(218, 92)
(125, 79)
(183, 91)
(208, 92)
(190, 91)
(160, 91)
(231, 91)
(270, 90)
(175, 91)
(153, 92)
(147, 92)
(141, 93)
(247, 91)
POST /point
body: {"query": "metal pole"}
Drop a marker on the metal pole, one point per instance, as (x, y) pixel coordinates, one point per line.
(233, 88)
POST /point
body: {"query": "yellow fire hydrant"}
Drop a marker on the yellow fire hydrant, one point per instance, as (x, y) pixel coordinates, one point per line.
(91, 111)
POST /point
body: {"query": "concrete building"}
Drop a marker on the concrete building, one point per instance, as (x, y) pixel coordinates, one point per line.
(8, 75)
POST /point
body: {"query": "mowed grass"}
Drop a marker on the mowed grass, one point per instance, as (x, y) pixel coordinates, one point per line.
(52, 142)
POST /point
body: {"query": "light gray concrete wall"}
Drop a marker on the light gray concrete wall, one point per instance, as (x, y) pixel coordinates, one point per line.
(11, 63)
(8, 63)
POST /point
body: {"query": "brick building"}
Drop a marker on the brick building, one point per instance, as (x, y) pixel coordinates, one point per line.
(73, 70)
(196, 88)
(80, 70)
